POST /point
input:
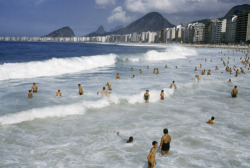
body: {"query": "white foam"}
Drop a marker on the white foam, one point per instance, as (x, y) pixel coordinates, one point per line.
(40, 113)
(54, 66)
(171, 53)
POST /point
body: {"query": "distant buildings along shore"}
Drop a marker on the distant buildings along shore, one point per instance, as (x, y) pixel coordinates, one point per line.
(235, 30)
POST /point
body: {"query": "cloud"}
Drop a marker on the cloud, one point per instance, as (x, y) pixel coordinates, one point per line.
(179, 6)
(118, 15)
(104, 3)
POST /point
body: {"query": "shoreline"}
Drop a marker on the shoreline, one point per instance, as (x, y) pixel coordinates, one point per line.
(224, 46)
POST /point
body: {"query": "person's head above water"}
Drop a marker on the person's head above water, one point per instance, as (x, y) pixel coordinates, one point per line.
(131, 139)
(165, 131)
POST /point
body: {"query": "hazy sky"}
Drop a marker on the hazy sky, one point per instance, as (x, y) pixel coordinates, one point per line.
(41, 17)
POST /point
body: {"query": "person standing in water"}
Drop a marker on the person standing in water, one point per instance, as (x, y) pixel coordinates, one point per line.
(234, 92)
(173, 85)
(59, 93)
(80, 89)
(140, 71)
(165, 142)
(117, 76)
(162, 94)
(103, 91)
(151, 156)
(30, 94)
(211, 121)
(34, 88)
(109, 86)
(146, 96)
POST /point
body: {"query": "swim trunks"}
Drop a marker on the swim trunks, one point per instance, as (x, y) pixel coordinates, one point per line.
(150, 165)
(165, 147)
(162, 98)
(234, 95)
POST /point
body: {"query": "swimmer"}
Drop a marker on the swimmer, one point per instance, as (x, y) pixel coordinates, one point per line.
(229, 81)
(58, 93)
(146, 96)
(176, 67)
(109, 86)
(211, 121)
(166, 66)
(30, 94)
(103, 91)
(234, 92)
(131, 69)
(147, 67)
(151, 156)
(154, 71)
(242, 71)
(165, 142)
(209, 72)
(197, 78)
(34, 88)
(132, 77)
(140, 71)
(216, 68)
(173, 84)
(162, 94)
(195, 69)
(203, 72)
(130, 139)
(80, 89)
(200, 66)
(157, 71)
(117, 76)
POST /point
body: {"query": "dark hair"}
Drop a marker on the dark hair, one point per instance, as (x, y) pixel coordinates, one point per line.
(103, 88)
(162, 90)
(58, 90)
(29, 90)
(235, 86)
(154, 142)
(130, 139)
(79, 84)
(165, 130)
(173, 81)
(212, 118)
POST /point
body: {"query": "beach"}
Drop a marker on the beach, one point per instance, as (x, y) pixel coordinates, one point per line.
(80, 131)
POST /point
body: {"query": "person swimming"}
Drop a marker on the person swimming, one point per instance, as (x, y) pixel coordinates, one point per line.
(211, 121)
(30, 94)
(130, 139)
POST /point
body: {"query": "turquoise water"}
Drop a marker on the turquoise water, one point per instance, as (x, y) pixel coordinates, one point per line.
(80, 131)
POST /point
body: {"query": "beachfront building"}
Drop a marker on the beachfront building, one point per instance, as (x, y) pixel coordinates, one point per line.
(180, 33)
(231, 29)
(242, 34)
(195, 32)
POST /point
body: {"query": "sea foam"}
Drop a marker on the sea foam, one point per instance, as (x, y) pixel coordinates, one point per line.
(54, 66)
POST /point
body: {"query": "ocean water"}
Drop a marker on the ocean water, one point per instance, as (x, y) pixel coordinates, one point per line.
(80, 131)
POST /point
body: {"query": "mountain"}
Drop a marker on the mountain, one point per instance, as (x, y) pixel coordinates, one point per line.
(237, 10)
(116, 28)
(63, 32)
(150, 22)
(234, 10)
(99, 32)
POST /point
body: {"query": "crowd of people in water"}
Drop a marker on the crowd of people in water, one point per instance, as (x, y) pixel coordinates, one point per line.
(166, 139)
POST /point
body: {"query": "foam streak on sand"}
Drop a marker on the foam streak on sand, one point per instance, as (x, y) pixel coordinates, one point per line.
(54, 66)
